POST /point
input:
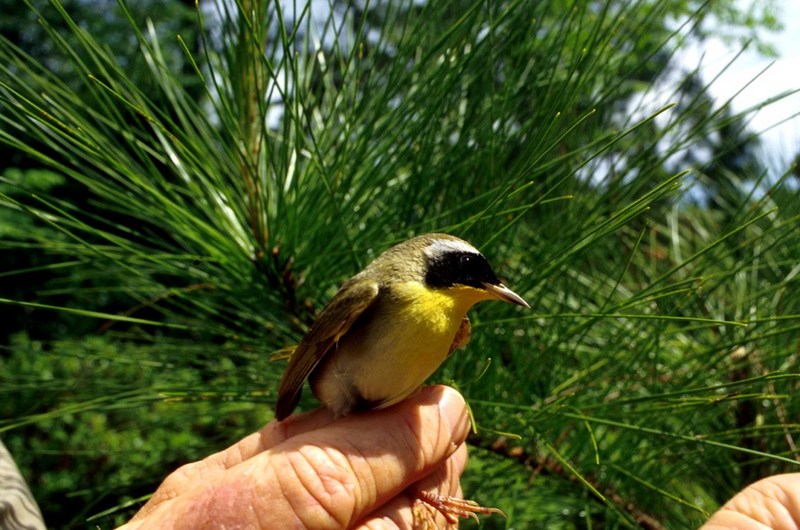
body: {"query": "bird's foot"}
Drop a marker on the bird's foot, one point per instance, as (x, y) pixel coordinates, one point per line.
(452, 508)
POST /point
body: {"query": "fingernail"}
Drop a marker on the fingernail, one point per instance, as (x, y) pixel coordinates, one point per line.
(454, 410)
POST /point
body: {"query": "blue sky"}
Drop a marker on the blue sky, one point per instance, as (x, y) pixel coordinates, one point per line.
(781, 142)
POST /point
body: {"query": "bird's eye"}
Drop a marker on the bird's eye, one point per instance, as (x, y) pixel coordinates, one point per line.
(465, 260)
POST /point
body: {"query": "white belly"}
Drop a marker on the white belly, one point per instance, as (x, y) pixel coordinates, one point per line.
(388, 355)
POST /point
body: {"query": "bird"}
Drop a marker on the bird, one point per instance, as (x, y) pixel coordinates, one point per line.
(389, 327)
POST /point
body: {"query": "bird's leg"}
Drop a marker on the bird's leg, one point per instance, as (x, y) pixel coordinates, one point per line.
(452, 508)
(462, 336)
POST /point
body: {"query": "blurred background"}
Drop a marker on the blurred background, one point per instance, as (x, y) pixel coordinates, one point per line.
(183, 187)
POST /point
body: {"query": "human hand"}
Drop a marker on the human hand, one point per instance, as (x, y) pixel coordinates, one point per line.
(310, 471)
(770, 503)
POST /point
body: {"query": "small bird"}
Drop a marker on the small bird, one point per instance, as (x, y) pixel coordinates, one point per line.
(389, 327)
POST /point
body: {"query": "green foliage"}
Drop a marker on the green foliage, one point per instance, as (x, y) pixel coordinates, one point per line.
(97, 420)
(19, 227)
(219, 195)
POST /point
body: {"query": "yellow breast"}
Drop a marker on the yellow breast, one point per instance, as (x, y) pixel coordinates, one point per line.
(402, 339)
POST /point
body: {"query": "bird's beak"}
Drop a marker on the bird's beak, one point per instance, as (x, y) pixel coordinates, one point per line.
(501, 292)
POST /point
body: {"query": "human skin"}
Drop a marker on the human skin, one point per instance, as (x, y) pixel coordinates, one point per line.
(772, 503)
(311, 471)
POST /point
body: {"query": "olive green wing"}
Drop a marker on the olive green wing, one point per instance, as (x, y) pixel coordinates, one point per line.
(342, 311)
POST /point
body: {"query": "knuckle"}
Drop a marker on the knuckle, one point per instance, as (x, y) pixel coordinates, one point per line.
(178, 480)
(321, 486)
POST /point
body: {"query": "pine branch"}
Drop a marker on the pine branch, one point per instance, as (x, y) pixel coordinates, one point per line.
(537, 464)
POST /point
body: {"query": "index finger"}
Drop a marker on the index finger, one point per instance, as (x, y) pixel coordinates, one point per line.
(270, 435)
(213, 466)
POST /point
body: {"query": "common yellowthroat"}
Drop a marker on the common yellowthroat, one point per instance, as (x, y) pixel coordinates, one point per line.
(387, 330)
(391, 325)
